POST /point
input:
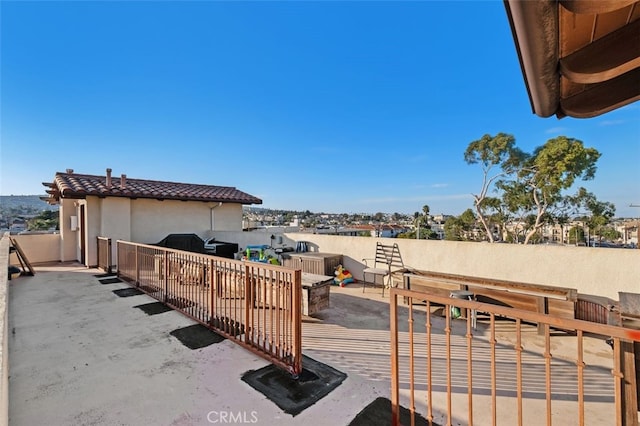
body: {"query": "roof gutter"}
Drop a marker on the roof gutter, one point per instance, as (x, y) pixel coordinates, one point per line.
(534, 25)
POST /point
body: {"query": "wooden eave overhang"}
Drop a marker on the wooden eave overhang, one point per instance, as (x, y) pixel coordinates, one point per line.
(579, 58)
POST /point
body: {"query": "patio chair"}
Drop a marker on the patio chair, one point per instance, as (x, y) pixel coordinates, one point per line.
(386, 261)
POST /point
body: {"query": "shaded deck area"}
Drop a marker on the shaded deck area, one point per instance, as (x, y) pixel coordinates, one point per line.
(80, 354)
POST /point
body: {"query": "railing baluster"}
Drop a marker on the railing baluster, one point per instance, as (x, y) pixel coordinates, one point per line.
(617, 379)
(412, 403)
(492, 342)
(395, 376)
(580, 365)
(429, 364)
(518, 348)
(469, 337)
(524, 374)
(447, 333)
(547, 368)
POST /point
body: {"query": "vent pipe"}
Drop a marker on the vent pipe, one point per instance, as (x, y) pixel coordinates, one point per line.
(109, 178)
(70, 171)
(123, 181)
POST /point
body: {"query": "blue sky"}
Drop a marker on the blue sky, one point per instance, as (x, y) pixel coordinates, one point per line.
(324, 106)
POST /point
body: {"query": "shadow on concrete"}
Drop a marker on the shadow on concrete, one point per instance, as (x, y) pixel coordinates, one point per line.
(127, 292)
(154, 308)
(378, 413)
(110, 280)
(196, 336)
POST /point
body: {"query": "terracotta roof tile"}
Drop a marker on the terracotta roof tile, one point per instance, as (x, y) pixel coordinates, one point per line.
(75, 185)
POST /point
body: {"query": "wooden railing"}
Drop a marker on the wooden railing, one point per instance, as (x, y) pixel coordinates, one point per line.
(104, 254)
(257, 305)
(446, 371)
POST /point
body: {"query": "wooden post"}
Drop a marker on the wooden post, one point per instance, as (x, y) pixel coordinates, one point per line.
(636, 350)
(629, 400)
(543, 308)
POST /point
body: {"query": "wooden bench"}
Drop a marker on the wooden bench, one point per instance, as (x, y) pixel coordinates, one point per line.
(556, 301)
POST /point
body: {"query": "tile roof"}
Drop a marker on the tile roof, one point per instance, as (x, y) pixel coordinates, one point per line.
(75, 185)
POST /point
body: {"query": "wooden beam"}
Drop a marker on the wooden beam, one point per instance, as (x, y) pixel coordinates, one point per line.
(592, 7)
(606, 58)
(603, 97)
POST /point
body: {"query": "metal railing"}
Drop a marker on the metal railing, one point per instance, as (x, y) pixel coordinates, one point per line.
(257, 305)
(104, 254)
(448, 372)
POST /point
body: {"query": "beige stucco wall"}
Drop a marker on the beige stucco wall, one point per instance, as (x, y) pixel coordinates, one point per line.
(38, 248)
(93, 229)
(69, 243)
(138, 220)
(152, 220)
(593, 271)
(115, 221)
(596, 271)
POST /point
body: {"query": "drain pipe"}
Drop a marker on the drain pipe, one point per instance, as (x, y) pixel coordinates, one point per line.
(212, 215)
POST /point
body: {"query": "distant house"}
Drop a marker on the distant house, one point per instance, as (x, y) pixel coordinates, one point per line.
(138, 210)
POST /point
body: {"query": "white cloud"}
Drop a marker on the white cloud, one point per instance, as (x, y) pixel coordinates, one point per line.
(556, 130)
(611, 122)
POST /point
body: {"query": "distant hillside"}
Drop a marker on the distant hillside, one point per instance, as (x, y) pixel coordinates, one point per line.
(24, 204)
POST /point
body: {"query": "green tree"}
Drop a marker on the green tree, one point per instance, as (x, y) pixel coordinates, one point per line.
(47, 219)
(552, 169)
(425, 211)
(453, 229)
(499, 158)
(609, 233)
(530, 186)
(600, 212)
(576, 235)
(461, 228)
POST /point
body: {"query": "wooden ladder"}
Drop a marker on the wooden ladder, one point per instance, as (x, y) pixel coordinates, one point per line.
(27, 269)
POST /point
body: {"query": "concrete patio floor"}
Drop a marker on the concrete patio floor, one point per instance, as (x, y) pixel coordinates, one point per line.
(80, 355)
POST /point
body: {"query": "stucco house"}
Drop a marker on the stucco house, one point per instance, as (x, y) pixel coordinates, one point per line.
(137, 210)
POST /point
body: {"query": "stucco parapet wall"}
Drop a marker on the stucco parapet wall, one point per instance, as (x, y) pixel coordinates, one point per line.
(4, 326)
(592, 271)
(39, 248)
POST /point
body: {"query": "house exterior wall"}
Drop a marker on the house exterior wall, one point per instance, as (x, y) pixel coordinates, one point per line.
(152, 220)
(69, 243)
(92, 229)
(115, 221)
